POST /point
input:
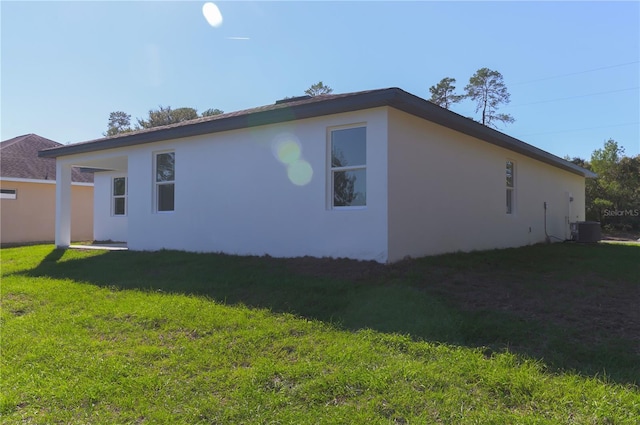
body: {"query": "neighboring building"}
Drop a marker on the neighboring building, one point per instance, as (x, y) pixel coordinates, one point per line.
(28, 193)
(376, 175)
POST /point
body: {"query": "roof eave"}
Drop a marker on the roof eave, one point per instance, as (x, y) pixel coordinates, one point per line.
(393, 97)
(310, 110)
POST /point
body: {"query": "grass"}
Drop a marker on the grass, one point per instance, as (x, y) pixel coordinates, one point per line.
(172, 337)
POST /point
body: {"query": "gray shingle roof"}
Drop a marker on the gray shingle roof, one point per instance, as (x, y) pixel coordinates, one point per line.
(301, 108)
(19, 159)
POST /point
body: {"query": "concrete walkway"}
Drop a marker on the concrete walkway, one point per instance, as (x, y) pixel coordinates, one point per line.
(106, 246)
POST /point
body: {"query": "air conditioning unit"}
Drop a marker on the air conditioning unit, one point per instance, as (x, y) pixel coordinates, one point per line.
(585, 231)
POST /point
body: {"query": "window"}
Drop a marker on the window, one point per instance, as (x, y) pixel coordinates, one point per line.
(510, 187)
(165, 175)
(119, 204)
(349, 167)
(8, 194)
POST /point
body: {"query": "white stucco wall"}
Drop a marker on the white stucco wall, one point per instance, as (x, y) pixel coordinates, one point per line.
(106, 225)
(233, 195)
(447, 193)
(430, 190)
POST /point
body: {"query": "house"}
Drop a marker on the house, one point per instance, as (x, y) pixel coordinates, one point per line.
(28, 193)
(374, 175)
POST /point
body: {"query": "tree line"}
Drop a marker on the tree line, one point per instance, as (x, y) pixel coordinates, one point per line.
(120, 122)
(613, 198)
(486, 88)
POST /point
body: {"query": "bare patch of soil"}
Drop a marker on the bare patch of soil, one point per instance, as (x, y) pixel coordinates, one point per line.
(590, 307)
(593, 309)
(621, 237)
(337, 268)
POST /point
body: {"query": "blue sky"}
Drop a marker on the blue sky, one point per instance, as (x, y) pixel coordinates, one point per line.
(572, 68)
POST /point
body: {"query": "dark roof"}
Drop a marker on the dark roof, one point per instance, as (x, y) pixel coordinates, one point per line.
(19, 159)
(295, 109)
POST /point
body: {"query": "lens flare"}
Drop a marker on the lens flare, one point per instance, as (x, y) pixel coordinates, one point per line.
(300, 172)
(288, 152)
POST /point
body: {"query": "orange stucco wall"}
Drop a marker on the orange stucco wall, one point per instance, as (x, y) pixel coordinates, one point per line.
(31, 216)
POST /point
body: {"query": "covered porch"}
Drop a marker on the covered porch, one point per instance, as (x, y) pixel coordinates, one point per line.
(94, 163)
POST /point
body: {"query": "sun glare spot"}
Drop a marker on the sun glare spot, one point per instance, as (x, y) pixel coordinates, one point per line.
(288, 152)
(300, 172)
(286, 149)
(212, 14)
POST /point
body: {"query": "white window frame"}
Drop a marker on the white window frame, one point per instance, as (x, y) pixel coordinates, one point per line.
(114, 196)
(510, 189)
(157, 184)
(332, 169)
(9, 194)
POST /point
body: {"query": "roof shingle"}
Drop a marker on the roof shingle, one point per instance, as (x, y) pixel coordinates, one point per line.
(19, 159)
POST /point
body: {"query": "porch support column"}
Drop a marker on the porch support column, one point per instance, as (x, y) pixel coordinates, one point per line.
(63, 205)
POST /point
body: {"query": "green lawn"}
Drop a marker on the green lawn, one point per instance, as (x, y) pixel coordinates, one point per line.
(542, 334)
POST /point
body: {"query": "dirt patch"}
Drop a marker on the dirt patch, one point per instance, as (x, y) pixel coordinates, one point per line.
(593, 311)
(338, 268)
(592, 308)
(621, 237)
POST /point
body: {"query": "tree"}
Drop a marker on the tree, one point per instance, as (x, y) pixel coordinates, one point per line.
(629, 178)
(119, 122)
(211, 112)
(603, 160)
(443, 94)
(166, 116)
(318, 89)
(183, 114)
(614, 197)
(158, 117)
(486, 87)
